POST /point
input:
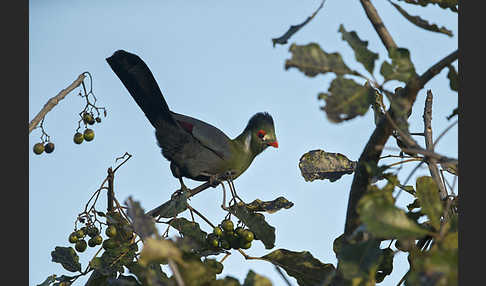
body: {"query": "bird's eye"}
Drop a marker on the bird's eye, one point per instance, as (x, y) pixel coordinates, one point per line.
(261, 134)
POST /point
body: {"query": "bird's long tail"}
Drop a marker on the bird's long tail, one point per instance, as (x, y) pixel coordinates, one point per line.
(141, 84)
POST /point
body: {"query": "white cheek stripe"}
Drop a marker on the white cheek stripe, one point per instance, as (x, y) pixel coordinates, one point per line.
(247, 142)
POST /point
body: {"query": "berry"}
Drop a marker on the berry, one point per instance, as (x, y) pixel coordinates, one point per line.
(93, 231)
(38, 148)
(217, 231)
(78, 138)
(110, 231)
(213, 242)
(80, 233)
(88, 118)
(88, 134)
(239, 231)
(73, 238)
(91, 243)
(247, 235)
(98, 119)
(81, 245)
(225, 244)
(49, 147)
(246, 245)
(227, 225)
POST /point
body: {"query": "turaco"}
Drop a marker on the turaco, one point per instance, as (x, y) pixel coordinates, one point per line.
(195, 149)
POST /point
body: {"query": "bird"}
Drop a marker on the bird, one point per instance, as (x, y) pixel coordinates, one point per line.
(195, 149)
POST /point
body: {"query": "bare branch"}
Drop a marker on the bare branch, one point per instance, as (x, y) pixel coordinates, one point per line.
(437, 68)
(54, 101)
(377, 23)
(429, 144)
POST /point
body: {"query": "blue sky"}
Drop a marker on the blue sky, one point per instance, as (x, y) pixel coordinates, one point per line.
(213, 61)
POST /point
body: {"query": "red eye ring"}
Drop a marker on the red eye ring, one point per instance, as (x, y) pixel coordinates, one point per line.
(261, 133)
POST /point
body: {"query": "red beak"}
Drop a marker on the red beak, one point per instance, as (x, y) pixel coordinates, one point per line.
(273, 144)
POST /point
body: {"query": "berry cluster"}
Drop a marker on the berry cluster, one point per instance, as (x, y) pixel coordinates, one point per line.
(78, 238)
(88, 133)
(227, 237)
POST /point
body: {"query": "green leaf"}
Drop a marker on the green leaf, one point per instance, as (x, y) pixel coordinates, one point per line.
(428, 195)
(256, 223)
(401, 67)
(171, 208)
(360, 48)
(282, 40)
(319, 164)
(157, 250)
(48, 280)
(453, 77)
(68, 258)
(190, 230)
(346, 99)
(123, 280)
(417, 21)
(269, 206)
(226, 281)
(143, 225)
(253, 279)
(385, 267)
(378, 212)
(358, 261)
(451, 4)
(302, 266)
(312, 60)
(435, 267)
(151, 274)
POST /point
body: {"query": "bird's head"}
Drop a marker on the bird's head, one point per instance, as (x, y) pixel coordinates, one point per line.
(262, 132)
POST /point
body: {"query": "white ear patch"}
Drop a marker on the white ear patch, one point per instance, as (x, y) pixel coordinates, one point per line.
(247, 142)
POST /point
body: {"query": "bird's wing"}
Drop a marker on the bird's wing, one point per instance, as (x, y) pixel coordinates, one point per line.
(208, 135)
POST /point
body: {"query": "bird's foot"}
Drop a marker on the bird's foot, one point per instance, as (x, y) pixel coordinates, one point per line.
(180, 191)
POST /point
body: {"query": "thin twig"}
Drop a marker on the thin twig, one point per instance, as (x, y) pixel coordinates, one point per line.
(429, 144)
(282, 275)
(175, 270)
(54, 101)
(377, 23)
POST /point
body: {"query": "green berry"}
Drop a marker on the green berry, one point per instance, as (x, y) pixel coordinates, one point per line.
(227, 225)
(88, 118)
(81, 245)
(213, 242)
(38, 148)
(110, 231)
(247, 235)
(88, 134)
(225, 244)
(217, 231)
(80, 233)
(49, 147)
(97, 239)
(73, 238)
(239, 231)
(246, 245)
(91, 243)
(78, 138)
(93, 231)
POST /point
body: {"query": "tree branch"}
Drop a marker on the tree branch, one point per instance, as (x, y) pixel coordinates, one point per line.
(377, 23)
(429, 144)
(54, 101)
(372, 151)
(437, 68)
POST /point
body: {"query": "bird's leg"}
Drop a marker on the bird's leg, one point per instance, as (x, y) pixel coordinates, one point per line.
(182, 190)
(229, 177)
(223, 205)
